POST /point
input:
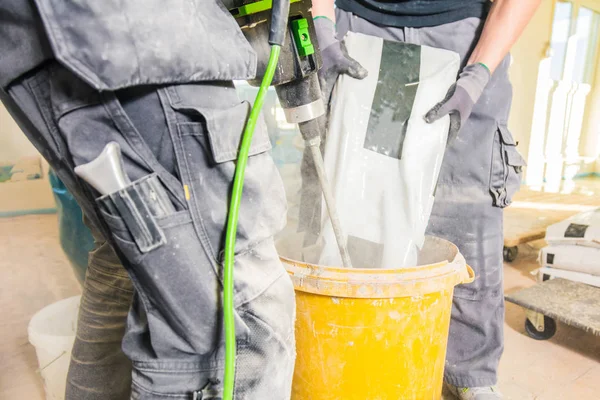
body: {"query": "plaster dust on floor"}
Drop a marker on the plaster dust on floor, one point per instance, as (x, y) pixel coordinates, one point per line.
(35, 273)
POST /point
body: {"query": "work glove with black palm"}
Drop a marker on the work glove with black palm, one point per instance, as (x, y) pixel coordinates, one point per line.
(461, 98)
(335, 58)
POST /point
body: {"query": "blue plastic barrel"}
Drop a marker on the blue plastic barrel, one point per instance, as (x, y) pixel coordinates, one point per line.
(76, 239)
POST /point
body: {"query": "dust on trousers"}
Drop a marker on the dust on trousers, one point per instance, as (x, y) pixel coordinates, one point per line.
(170, 137)
(479, 175)
(157, 297)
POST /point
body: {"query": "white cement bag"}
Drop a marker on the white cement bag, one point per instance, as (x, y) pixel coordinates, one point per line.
(381, 157)
(582, 229)
(572, 258)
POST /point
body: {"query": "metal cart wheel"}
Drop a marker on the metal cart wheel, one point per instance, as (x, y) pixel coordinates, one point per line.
(510, 253)
(549, 329)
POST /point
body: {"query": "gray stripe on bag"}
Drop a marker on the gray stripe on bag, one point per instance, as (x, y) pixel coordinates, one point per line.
(394, 98)
(576, 231)
(364, 253)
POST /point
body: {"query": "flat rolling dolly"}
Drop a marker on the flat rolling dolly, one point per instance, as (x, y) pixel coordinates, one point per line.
(531, 212)
(573, 303)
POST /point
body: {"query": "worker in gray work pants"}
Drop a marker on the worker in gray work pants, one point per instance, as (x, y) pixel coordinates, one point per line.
(157, 79)
(481, 167)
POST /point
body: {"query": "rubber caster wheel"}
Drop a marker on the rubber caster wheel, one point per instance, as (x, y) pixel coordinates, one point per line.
(510, 253)
(547, 333)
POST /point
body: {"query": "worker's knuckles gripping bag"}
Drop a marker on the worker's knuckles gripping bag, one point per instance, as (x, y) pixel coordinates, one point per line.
(381, 157)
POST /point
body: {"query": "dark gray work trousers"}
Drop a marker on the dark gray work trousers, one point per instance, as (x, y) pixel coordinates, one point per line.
(479, 175)
(154, 283)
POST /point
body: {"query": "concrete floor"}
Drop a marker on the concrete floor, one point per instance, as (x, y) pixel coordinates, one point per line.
(36, 273)
(565, 367)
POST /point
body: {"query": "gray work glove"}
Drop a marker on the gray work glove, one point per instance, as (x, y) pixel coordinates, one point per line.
(335, 58)
(461, 98)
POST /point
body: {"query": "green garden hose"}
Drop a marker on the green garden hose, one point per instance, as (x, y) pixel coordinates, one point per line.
(232, 222)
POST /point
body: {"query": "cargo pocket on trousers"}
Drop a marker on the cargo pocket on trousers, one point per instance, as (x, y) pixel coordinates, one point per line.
(210, 138)
(168, 264)
(506, 168)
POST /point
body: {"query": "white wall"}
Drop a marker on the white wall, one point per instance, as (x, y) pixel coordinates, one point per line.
(13, 143)
(590, 135)
(527, 53)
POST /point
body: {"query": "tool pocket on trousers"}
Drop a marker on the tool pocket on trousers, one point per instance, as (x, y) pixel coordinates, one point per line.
(176, 381)
(138, 206)
(168, 264)
(506, 168)
(209, 132)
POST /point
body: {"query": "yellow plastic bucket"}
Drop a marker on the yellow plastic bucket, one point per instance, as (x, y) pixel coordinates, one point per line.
(375, 334)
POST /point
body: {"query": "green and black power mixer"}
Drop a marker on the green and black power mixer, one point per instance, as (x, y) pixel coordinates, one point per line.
(282, 35)
(295, 80)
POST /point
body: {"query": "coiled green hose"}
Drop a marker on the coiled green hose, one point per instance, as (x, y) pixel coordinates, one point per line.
(232, 222)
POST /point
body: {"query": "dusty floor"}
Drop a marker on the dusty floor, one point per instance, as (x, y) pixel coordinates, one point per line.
(36, 273)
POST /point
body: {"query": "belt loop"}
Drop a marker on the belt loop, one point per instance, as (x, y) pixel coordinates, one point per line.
(411, 35)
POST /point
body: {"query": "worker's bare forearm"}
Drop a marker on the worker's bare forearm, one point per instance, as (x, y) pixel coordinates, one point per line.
(323, 8)
(504, 25)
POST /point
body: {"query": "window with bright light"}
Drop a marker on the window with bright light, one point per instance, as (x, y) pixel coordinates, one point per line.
(561, 28)
(587, 39)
